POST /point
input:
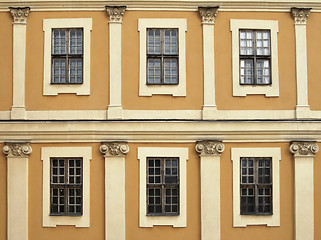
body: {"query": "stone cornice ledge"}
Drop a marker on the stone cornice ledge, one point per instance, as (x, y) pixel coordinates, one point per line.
(225, 5)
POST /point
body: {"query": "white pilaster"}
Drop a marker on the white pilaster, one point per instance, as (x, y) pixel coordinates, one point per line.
(208, 21)
(19, 15)
(300, 16)
(17, 190)
(115, 110)
(304, 153)
(114, 154)
(210, 155)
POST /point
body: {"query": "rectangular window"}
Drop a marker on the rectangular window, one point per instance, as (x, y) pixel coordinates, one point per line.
(67, 56)
(162, 186)
(66, 186)
(256, 185)
(162, 56)
(255, 57)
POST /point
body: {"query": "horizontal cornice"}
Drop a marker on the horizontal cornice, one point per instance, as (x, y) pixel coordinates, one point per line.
(162, 131)
(177, 5)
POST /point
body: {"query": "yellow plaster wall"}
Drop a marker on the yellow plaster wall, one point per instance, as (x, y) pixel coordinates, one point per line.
(193, 229)
(314, 60)
(5, 61)
(97, 196)
(130, 64)
(99, 92)
(3, 195)
(286, 229)
(223, 64)
(317, 195)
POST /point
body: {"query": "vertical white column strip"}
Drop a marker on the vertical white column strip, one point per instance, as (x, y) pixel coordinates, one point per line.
(210, 155)
(300, 16)
(17, 190)
(115, 110)
(114, 154)
(304, 153)
(208, 20)
(18, 110)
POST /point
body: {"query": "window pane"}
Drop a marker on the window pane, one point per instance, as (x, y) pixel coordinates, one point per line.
(246, 71)
(170, 70)
(58, 41)
(75, 70)
(263, 43)
(246, 42)
(58, 70)
(75, 41)
(170, 41)
(153, 41)
(153, 70)
(263, 71)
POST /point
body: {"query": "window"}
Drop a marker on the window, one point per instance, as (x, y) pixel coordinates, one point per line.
(162, 186)
(162, 56)
(256, 185)
(67, 56)
(255, 57)
(66, 187)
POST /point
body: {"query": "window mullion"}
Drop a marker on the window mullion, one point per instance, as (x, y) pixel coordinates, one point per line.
(256, 185)
(66, 184)
(67, 54)
(162, 34)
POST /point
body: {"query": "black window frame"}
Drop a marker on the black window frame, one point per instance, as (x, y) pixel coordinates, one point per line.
(256, 186)
(67, 56)
(164, 186)
(66, 186)
(254, 57)
(162, 56)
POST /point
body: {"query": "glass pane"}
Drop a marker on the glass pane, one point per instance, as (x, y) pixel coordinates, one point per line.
(58, 70)
(75, 41)
(170, 41)
(153, 41)
(246, 42)
(58, 41)
(263, 71)
(153, 70)
(75, 70)
(170, 70)
(246, 71)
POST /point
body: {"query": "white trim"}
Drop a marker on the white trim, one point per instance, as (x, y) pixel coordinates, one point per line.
(46, 154)
(175, 90)
(150, 221)
(55, 89)
(243, 90)
(244, 220)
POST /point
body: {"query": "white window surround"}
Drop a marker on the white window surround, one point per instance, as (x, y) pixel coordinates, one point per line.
(244, 220)
(46, 154)
(150, 221)
(243, 90)
(175, 90)
(54, 89)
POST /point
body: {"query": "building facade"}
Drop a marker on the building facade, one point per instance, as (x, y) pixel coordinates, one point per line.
(133, 120)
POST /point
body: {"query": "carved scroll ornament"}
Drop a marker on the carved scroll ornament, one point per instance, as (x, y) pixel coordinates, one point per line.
(304, 149)
(17, 149)
(115, 14)
(114, 149)
(300, 15)
(208, 14)
(20, 15)
(208, 148)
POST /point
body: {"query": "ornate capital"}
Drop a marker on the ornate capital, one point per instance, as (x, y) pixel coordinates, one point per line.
(19, 15)
(116, 149)
(17, 149)
(115, 14)
(208, 14)
(300, 15)
(208, 148)
(304, 149)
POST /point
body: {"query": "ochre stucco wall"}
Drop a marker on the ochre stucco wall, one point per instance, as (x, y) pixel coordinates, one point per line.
(314, 60)
(223, 64)
(193, 229)
(317, 195)
(97, 196)
(130, 64)
(5, 61)
(286, 230)
(3, 195)
(99, 92)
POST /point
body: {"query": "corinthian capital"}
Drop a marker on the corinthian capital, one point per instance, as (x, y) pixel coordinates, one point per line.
(115, 14)
(209, 148)
(116, 149)
(304, 149)
(300, 15)
(19, 15)
(17, 149)
(208, 14)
